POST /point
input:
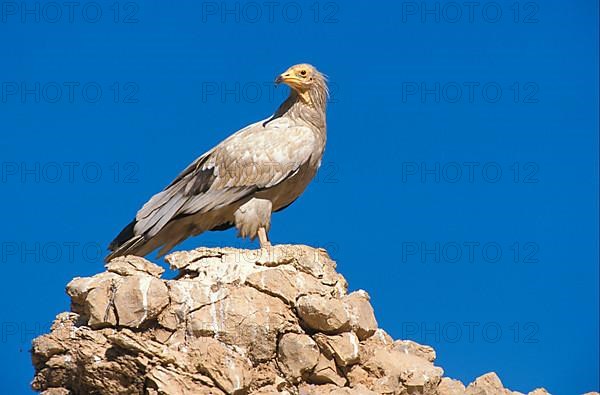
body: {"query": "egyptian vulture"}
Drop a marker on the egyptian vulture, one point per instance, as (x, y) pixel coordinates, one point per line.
(258, 170)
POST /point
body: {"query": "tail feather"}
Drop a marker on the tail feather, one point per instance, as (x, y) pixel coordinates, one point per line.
(130, 243)
(130, 247)
(127, 233)
(126, 242)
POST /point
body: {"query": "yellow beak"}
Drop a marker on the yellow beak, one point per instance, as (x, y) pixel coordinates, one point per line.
(290, 79)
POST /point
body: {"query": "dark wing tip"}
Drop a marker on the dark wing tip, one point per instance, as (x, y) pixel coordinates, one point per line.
(126, 234)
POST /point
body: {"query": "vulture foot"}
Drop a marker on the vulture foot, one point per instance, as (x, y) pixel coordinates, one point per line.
(263, 238)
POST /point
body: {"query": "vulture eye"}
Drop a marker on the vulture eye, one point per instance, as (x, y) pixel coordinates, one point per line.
(303, 73)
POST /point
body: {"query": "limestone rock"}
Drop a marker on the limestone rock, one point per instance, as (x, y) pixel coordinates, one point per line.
(413, 373)
(449, 386)
(138, 299)
(490, 383)
(84, 347)
(379, 340)
(130, 265)
(362, 317)
(297, 354)
(186, 296)
(56, 391)
(330, 389)
(247, 318)
(326, 372)
(313, 261)
(229, 370)
(93, 298)
(287, 283)
(542, 391)
(323, 314)
(267, 378)
(268, 321)
(164, 380)
(410, 347)
(487, 384)
(343, 348)
(356, 390)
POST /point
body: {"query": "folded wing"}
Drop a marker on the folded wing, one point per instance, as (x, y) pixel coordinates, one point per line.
(255, 158)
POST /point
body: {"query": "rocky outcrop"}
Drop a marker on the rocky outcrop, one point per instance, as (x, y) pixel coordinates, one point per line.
(277, 321)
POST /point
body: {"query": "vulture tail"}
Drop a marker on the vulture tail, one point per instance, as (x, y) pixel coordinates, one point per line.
(126, 242)
(123, 236)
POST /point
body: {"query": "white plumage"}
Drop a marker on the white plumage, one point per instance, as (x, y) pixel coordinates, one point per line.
(262, 168)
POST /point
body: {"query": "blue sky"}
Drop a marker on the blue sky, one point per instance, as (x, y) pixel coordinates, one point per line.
(459, 186)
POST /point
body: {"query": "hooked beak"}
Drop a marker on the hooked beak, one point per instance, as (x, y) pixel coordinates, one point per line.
(290, 79)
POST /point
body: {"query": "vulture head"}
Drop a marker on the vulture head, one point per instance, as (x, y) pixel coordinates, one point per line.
(307, 82)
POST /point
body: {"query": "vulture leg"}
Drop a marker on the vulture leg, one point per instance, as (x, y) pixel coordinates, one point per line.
(253, 218)
(262, 238)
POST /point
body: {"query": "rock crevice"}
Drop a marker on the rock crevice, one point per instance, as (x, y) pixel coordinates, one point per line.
(232, 322)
